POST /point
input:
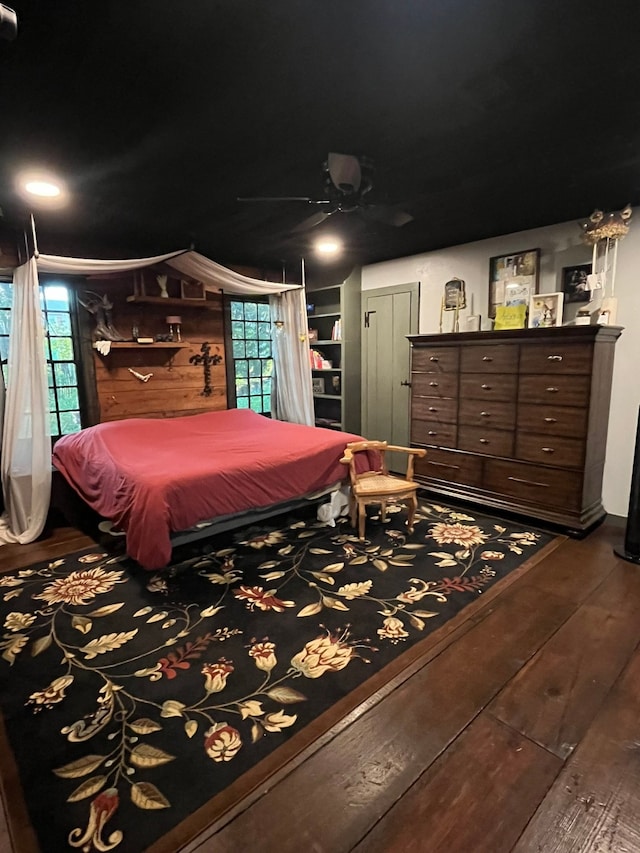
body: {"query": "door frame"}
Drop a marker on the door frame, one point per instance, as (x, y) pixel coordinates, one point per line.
(412, 287)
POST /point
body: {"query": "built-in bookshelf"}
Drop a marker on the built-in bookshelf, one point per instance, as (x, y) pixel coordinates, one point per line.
(334, 325)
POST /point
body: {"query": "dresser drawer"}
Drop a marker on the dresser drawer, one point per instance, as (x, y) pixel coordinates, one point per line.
(492, 414)
(560, 390)
(424, 432)
(502, 358)
(497, 442)
(564, 358)
(498, 386)
(550, 450)
(552, 420)
(450, 467)
(435, 359)
(548, 487)
(434, 385)
(442, 410)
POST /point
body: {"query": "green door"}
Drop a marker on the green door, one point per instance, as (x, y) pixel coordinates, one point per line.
(390, 314)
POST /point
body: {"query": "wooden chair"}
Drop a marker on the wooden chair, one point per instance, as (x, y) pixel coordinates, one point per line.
(380, 487)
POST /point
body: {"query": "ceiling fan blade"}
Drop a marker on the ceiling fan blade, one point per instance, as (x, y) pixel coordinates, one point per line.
(313, 220)
(386, 214)
(285, 198)
(344, 171)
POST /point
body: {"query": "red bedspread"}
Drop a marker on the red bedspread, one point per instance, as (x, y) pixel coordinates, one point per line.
(154, 477)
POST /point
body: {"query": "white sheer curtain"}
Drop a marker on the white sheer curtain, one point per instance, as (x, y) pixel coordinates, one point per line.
(25, 466)
(292, 399)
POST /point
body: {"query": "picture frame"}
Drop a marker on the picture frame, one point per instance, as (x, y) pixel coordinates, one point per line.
(313, 336)
(545, 310)
(574, 283)
(513, 277)
(317, 383)
(454, 295)
(193, 290)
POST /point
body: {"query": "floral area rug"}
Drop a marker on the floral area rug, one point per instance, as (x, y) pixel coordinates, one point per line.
(131, 698)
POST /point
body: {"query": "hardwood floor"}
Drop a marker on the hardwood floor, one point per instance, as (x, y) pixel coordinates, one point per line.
(518, 730)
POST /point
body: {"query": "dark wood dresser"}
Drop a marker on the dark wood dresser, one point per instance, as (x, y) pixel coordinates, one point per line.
(516, 420)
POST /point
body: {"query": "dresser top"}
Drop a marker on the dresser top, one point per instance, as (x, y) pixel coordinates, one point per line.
(554, 333)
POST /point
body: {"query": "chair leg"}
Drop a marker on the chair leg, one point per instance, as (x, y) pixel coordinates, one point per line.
(383, 511)
(353, 510)
(362, 517)
(412, 506)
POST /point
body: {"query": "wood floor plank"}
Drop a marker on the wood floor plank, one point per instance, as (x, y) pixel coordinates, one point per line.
(359, 775)
(478, 797)
(594, 804)
(553, 699)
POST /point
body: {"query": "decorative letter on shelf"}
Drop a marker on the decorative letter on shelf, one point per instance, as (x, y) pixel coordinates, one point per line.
(206, 361)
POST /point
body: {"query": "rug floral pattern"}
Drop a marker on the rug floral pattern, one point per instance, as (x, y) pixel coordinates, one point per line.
(132, 698)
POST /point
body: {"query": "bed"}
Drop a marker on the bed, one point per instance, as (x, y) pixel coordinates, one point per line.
(152, 478)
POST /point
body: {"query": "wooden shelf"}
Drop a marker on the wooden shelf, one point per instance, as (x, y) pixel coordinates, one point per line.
(155, 345)
(207, 305)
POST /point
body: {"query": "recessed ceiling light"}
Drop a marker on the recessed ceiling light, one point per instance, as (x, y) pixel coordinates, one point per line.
(41, 189)
(328, 246)
(45, 189)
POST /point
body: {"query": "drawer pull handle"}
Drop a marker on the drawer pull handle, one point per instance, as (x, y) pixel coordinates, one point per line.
(548, 450)
(487, 358)
(554, 358)
(485, 414)
(433, 384)
(434, 358)
(529, 482)
(550, 421)
(483, 440)
(486, 387)
(431, 432)
(552, 390)
(432, 409)
(444, 465)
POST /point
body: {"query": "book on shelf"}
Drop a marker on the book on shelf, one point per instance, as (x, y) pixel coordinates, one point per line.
(336, 331)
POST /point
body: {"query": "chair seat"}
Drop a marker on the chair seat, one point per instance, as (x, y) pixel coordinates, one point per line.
(383, 484)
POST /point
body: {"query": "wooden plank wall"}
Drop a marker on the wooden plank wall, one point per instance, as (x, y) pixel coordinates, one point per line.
(176, 385)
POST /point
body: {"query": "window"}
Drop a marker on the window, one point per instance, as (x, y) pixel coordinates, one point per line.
(60, 353)
(251, 349)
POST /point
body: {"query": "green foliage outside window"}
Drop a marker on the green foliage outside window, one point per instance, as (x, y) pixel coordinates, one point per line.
(251, 349)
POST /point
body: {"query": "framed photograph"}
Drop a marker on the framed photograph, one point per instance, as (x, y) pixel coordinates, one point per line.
(574, 283)
(313, 336)
(513, 279)
(546, 310)
(318, 384)
(454, 295)
(192, 290)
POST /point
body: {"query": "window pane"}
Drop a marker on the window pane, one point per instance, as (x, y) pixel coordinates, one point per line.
(264, 349)
(54, 429)
(242, 368)
(252, 349)
(251, 331)
(264, 331)
(242, 403)
(237, 329)
(50, 375)
(250, 311)
(66, 373)
(4, 348)
(242, 388)
(255, 367)
(255, 386)
(263, 312)
(70, 422)
(52, 400)
(237, 312)
(266, 403)
(56, 297)
(256, 404)
(6, 294)
(266, 386)
(238, 349)
(61, 349)
(68, 399)
(5, 322)
(58, 324)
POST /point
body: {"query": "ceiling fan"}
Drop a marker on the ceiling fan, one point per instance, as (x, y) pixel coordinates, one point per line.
(346, 181)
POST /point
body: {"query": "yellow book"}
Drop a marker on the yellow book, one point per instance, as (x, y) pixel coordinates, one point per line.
(510, 317)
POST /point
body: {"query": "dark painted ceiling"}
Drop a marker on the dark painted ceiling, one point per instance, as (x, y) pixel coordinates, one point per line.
(482, 118)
